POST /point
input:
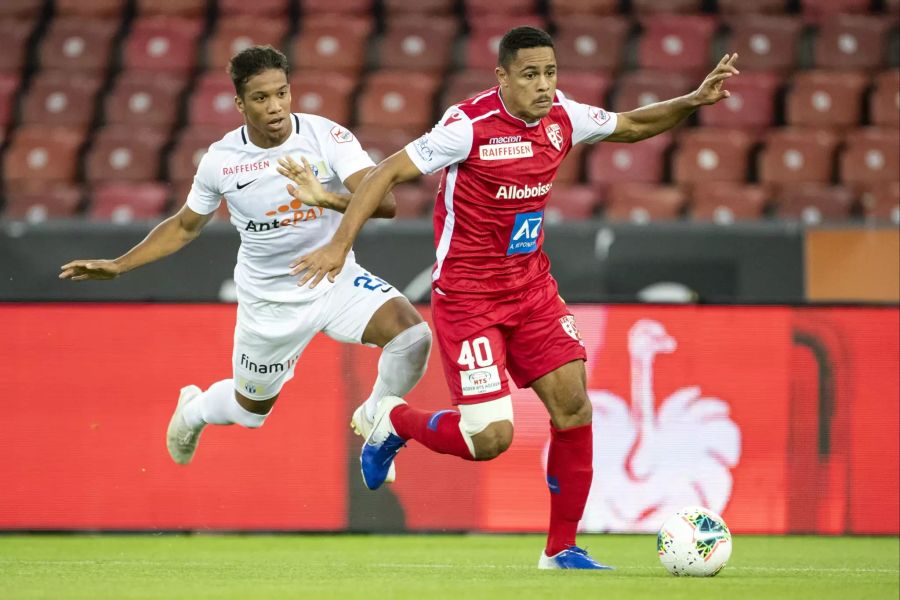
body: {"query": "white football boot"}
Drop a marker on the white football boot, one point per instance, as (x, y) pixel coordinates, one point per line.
(182, 440)
(362, 427)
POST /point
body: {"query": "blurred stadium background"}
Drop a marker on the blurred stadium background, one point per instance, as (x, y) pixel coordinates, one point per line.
(779, 207)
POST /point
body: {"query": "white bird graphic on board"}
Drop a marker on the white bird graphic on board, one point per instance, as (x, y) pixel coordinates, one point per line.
(648, 465)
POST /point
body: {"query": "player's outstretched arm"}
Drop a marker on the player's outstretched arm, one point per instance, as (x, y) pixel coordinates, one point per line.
(308, 189)
(169, 236)
(328, 260)
(653, 119)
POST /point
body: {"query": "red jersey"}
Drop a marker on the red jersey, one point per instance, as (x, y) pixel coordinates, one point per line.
(497, 179)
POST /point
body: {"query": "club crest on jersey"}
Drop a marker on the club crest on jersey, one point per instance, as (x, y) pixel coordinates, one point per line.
(525, 233)
(555, 135)
(341, 135)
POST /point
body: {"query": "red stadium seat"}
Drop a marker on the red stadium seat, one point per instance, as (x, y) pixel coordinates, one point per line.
(76, 44)
(588, 43)
(127, 202)
(751, 105)
(643, 162)
(341, 7)
(15, 34)
(676, 43)
(37, 204)
(397, 100)
(585, 87)
(818, 10)
(643, 202)
(171, 8)
(326, 94)
(884, 103)
(725, 203)
(236, 33)
(212, 102)
(729, 7)
(413, 200)
(572, 168)
(871, 156)
(124, 153)
(257, 8)
(572, 203)
(566, 8)
(797, 155)
(417, 42)
(21, 9)
(815, 203)
(108, 9)
(644, 7)
(425, 7)
(765, 42)
(190, 146)
(60, 98)
(852, 42)
(476, 9)
(485, 34)
(380, 143)
(465, 84)
(640, 88)
(144, 98)
(882, 202)
(332, 43)
(42, 154)
(9, 84)
(826, 99)
(710, 155)
(162, 44)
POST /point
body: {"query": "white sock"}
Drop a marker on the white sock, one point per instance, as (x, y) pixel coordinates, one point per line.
(218, 406)
(401, 366)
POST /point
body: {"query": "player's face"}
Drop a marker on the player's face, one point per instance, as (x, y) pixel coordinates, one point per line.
(266, 106)
(528, 84)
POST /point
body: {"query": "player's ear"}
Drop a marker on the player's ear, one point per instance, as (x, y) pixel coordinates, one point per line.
(502, 76)
(239, 104)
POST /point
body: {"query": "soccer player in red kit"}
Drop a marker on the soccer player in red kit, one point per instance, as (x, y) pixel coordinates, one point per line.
(495, 305)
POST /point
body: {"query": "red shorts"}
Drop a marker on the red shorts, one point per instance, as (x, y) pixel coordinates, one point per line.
(528, 333)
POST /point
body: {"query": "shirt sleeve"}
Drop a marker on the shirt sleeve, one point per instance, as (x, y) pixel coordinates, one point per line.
(343, 152)
(205, 195)
(590, 124)
(449, 142)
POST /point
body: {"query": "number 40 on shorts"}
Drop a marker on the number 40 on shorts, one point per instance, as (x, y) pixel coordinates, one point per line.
(476, 353)
(481, 375)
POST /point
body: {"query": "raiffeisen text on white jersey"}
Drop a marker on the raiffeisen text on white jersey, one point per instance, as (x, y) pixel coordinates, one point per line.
(514, 192)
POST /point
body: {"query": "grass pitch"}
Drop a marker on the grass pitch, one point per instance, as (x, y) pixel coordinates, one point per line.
(461, 567)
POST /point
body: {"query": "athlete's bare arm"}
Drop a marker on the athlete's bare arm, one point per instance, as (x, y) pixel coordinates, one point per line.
(309, 190)
(645, 122)
(169, 236)
(329, 259)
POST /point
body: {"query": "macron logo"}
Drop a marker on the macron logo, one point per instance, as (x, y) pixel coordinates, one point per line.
(514, 192)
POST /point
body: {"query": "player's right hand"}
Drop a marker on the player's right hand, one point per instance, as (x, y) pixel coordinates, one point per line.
(80, 270)
(327, 261)
(309, 189)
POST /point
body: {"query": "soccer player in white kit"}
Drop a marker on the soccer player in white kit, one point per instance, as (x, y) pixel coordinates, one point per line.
(278, 223)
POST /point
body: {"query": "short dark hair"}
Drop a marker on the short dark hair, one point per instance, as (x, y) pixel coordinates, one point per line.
(521, 37)
(253, 61)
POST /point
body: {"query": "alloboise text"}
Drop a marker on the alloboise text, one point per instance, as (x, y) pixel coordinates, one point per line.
(514, 192)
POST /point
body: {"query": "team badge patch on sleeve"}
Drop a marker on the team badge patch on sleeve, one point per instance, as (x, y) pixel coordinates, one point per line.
(341, 135)
(598, 115)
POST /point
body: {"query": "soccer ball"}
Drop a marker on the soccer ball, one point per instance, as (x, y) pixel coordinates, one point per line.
(695, 542)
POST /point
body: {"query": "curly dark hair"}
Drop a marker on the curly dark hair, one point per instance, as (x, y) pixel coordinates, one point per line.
(253, 61)
(519, 38)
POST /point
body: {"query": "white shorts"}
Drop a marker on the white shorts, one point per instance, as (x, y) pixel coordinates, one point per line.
(269, 337)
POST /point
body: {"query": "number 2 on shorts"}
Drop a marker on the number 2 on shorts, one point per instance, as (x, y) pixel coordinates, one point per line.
(478, 352)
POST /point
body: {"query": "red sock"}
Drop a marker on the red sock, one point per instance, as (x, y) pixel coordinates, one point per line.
(438, 431)
(569, 474)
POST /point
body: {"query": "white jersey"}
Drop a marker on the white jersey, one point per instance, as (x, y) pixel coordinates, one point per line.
(275, 228)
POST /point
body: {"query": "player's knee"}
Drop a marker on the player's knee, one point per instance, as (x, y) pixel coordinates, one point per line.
(493, 441)
(574, 411)
(414, 344)
(487, 427)
(253, 413)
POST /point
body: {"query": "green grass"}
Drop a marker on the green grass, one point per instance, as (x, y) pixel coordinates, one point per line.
(424, 567)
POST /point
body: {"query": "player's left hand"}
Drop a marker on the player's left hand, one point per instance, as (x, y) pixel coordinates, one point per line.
(710, 91)
(327, 261)
(309, 189)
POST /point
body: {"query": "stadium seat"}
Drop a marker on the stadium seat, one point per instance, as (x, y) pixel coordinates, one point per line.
(380, 143)
(144, 98)
(815, 203)
(765, 42)
(106, 9)
(326, 94)
(339, 7)
(710, 155)
(884, 103)
(571, 170)
(609, 162)
(212, 102)
(676, 43)
(190, 146)
(589, 43)
(871, 156)
(852, 42)
(21, 9)
(77, 44)
(417, 42)
(429, 7)
(171, 8)
(727, 7)
(751, 105)
(640, 88)
(477, 9)
(725, 203)
(162, 44)
(36, 204)
(826, 99)
(15, 34)
(397, 100)
(235, 33)
(42, 154)
(643, 202)
(485, 34)
(644, 7)
(882, 202)
(59, 98)
(572, 203)
(584, 86)
(9, 85)
(465, 84)
(124, 153)
(797, 155)
(892, 7)
(127, 202)
(413, 200)
(257, 8)
(815, 11)
(566, 8)
(331, 43)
